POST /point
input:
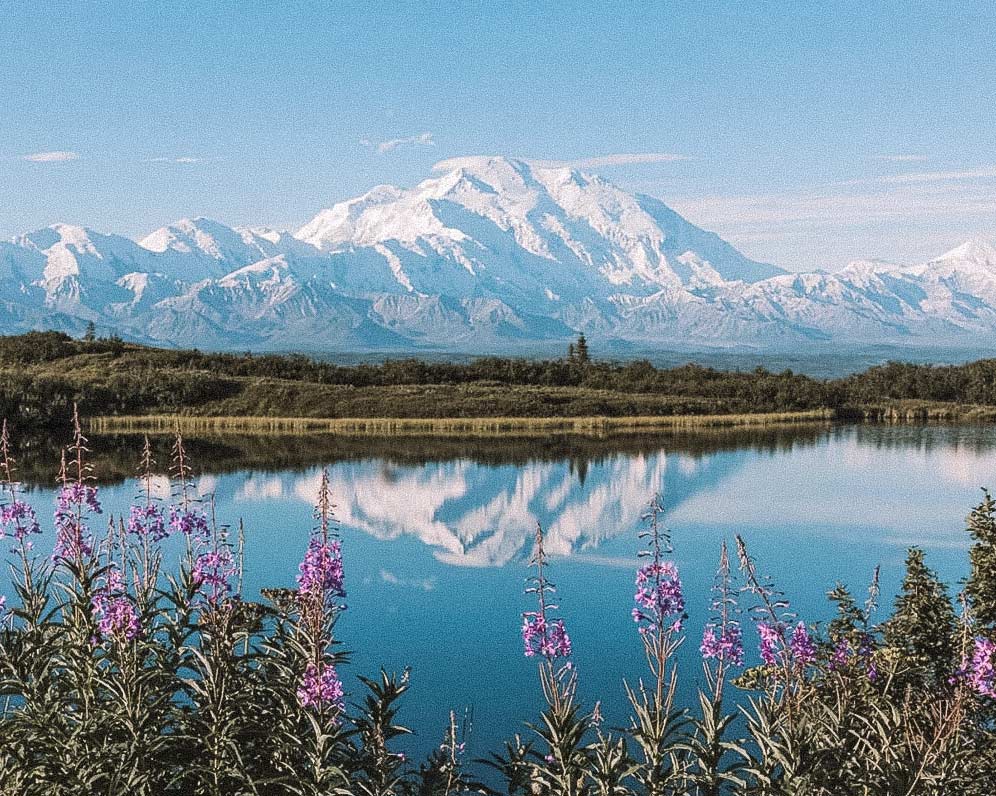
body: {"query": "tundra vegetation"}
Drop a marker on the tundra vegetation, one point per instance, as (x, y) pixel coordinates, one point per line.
(123, 671)
(46, 373)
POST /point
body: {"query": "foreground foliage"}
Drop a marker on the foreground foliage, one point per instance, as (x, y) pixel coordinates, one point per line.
(122, 672)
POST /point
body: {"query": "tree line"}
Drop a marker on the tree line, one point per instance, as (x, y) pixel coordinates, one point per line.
(45, 372)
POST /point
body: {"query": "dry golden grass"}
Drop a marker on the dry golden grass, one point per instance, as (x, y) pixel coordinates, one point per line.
(465, 426)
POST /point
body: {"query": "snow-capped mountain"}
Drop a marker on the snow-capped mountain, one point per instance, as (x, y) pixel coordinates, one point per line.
(494, 254)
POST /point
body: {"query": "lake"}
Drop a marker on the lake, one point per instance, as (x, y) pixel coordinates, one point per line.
(437, 533)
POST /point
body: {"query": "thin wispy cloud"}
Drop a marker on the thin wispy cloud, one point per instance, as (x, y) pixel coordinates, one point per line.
(901, 158)
(871, 221)
(424, 584)
(383, 147)
(751, 212)
(182, 159)
(601, 161)
(55, 156)
(618, 159)
(987, 172)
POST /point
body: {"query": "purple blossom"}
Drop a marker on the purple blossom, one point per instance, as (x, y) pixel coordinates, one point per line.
(119, 620)
(188, 522)
(771, 639)
(841, 656)
(117, 617)
(321, 687)
(981, 669)
(72, 536)
(321, 573)
(18, 519)
(82, 495)
(659, 598)
(866, 652)
(148, 522)
(802, 646)
(540, 637)
(726, 647)
(213, 572)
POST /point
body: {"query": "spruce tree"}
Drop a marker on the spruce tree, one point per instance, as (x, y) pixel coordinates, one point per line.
(923, 629)
(981, 585)
(91, 332)
(849, 616)
(582, 350)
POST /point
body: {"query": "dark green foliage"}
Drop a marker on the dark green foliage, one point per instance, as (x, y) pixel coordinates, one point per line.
(579, 352)
(981, 585)
(923, 628)
(849, 616)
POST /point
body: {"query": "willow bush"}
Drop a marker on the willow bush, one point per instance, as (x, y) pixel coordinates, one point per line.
(122, 672)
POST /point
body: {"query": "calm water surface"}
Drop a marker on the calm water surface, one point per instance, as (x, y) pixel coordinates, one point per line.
(436, 537)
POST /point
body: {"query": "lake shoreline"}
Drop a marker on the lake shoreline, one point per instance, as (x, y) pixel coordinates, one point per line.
(462, 426)
(888, 412)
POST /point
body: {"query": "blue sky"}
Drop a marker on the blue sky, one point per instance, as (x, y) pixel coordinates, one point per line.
(807, 134)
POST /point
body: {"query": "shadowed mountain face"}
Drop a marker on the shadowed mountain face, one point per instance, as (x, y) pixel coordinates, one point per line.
(493, 255)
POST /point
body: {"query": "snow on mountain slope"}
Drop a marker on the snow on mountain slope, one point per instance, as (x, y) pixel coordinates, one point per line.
(199, 248)
(582, 225)
(495, 254)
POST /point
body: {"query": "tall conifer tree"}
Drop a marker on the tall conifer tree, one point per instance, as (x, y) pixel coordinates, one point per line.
(981, 585)
(923, 629)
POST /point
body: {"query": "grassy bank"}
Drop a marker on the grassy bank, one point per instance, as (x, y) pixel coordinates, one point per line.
(42, 375)
(462, 426)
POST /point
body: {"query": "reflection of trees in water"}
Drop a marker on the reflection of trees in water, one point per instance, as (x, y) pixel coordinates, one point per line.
(115, 456)
(925, 438)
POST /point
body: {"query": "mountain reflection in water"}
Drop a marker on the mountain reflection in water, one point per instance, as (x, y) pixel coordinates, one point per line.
(436, 534)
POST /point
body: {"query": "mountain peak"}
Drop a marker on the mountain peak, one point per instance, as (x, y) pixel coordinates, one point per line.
(589, 228)
(192, 234)
(481, 164)
(979, 251)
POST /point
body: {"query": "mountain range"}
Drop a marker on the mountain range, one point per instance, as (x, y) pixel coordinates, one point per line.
(494, 255)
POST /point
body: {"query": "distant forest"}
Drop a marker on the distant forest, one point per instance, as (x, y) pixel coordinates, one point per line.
(44, 373)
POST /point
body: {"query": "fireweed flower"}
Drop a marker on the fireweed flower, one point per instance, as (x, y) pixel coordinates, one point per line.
(980, 671)
(726, 647)
(320, 574)
(117, 617)
(18, 519)
(866, 654)
(72, 536)
(119, 620)
(540, 637)
(148, 522)
(803, 648)
(189, 522)
(321, 687)
(213, 572)
(841, 656)
(659, 598)
(771, 639)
